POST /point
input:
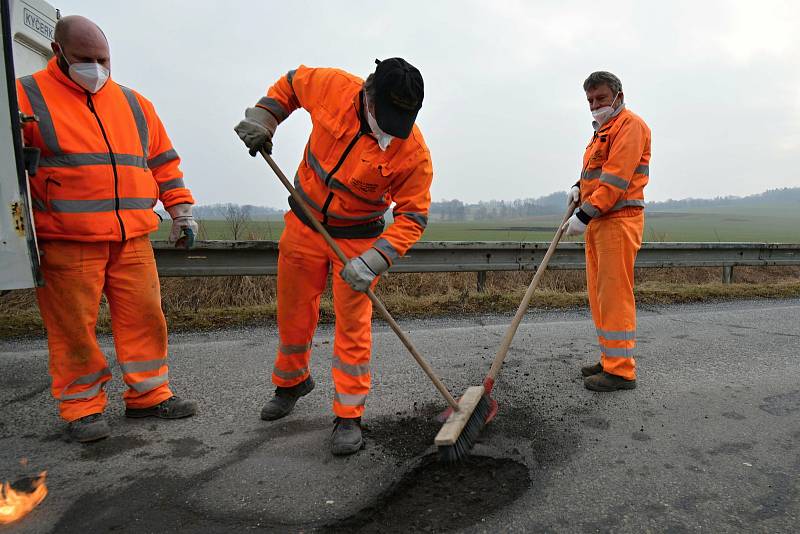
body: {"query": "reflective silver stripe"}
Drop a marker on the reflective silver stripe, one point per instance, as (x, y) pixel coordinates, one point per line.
(367, 217)
(617, 335)
(161, 159)
(142, 366)
(643, 169)
(138, 116)
(97, 206)
(38, 205)
(617, 352)
(627, 203)
(85, 380)
(315, 165)
(332, 214)
(590, 210)
(322, 174)
(289, 375)
(303, 194)
(39, 106)
(350, 369)
(99, 158)
(387, 249)
(295, 349)
(88, 394)
(169, 185)
(290, 76)
(91, 378)
(137, 203)
(418, 218)
(616, 181)
(274, 107)
(150, 384)
(591, 174)
(350, 400)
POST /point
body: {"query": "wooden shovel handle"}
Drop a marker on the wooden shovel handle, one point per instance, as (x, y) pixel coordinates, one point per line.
(376, 302)
(526, 300)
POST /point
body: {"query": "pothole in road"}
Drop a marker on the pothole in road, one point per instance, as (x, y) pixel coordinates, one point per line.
(437, 497)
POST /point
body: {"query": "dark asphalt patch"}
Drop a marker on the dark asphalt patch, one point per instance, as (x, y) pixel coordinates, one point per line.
(406, 435)
(436, 497)
(112, 446)
(188, 447)
(780, 405)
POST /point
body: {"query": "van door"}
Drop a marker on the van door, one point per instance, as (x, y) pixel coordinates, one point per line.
(19, 254)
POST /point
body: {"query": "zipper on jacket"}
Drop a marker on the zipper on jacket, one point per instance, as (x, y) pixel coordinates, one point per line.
(328, 178)
(90, 103)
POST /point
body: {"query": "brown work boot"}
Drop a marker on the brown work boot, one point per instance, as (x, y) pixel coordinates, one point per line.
(606, 382)
(346, 437)
(87, 429)
(589, 370)
(284, 400)
(172, 408)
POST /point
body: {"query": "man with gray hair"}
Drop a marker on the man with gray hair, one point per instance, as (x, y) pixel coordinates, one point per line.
(610, 196)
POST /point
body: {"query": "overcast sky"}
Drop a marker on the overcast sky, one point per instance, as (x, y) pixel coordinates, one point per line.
(504, 114)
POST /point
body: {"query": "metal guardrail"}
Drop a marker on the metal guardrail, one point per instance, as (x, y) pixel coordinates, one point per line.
(231, 258)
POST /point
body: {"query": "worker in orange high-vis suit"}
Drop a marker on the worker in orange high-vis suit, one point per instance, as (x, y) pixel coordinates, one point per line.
(364, 154)
(610, 194)
(105, 161)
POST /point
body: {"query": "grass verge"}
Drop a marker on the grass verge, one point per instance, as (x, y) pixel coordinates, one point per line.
(190, 305)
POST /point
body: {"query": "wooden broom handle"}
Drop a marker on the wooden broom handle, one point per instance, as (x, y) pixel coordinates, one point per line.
(382, 311)
(526, 300)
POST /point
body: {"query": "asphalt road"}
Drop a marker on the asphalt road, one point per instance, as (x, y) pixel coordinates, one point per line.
(710, 440)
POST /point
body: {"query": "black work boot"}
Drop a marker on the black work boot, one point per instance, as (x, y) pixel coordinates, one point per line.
(606, 382)
(172, 408)
(346, 436)
(284, 400)
(589, 370)
(90, 428)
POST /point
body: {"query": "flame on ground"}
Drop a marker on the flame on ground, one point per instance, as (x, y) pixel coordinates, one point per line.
(15, 504)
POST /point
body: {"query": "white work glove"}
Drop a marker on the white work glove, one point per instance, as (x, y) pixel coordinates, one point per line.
(257, 129)
(574, 226)
(362, 270)
(182, 223)
(574, 195)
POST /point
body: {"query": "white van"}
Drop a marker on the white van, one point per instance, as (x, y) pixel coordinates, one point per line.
(27, 30)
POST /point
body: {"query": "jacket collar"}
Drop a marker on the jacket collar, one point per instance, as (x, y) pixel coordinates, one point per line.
(55, 71)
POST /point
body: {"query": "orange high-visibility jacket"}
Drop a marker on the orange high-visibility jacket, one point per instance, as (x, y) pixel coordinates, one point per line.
(616, 166)
(106, 159)
(344, 176)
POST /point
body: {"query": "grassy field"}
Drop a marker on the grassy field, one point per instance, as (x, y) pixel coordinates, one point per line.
(776, 224)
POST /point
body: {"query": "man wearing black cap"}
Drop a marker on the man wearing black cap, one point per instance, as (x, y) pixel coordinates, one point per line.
(364, 154)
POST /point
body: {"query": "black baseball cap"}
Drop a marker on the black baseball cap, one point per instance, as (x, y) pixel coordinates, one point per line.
(398, 96)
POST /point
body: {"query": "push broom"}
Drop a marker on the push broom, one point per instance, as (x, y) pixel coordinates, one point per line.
(376, 302)
(477, 407)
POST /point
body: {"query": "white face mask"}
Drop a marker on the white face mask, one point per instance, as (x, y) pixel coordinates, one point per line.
(601, 115)
(90, 76)
(382, 137)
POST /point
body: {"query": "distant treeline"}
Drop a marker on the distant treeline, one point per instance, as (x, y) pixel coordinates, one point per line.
(552, 204)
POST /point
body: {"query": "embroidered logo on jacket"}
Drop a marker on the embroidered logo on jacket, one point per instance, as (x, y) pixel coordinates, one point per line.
(364, 187)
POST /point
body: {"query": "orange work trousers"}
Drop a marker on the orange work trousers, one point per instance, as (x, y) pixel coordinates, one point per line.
(76, 274)
(304, 262)
(612, 242)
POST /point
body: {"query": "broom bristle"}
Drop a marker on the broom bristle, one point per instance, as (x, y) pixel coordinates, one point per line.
(469, 435)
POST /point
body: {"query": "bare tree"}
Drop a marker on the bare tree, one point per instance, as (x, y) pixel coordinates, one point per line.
(237, 218)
